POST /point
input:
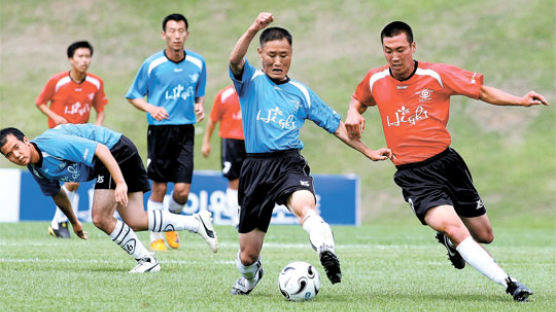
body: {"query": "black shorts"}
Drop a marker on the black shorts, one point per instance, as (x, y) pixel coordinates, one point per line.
(170, 153)
(131, 165)
(266, 179)
(443, 179)
(233, 155)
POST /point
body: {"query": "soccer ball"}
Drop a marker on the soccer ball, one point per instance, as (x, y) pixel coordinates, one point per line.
(299, 281)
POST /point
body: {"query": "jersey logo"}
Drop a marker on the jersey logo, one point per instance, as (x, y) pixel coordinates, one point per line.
(480, 204)
(100, 179)
(77, 108)
(275, 116)
(178, 92)
(404, 115)
(194, 77)
(177, 70)
(304, 183)
(425, 95)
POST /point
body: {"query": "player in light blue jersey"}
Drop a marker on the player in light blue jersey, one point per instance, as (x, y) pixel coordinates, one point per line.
(274, 108)
(173, 82)
(78, 153)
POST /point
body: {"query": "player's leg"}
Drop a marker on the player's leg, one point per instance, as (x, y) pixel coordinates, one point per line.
(122, 234)
(248, 262)
(444, 219)
(480, 228)
(156, 202)
(231, 201)
(302, 204)
(233, 155)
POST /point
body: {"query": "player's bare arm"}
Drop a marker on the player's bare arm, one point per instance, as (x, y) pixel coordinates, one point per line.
(156, 112)
(52, 115)
(120, 193)
(374, 155)
(240, 49)
(100, 118)
(355, 123)
(199, 108)
(498, 97)
(62, 201)
(205, 148)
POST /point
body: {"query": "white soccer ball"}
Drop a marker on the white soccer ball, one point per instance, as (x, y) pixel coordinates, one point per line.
(299, 281)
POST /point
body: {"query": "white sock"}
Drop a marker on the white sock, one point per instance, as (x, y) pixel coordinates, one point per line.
(232, 205)
(174, 206)
(126, 238)
(59, 216)
(478, 258)
(152, 206)
(248, 271)
(320, 233)
(163, 221)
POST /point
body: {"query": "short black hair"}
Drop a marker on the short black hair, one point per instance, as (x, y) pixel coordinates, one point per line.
(174, 17)
(77, 45)
(7, 131)
(395, 28)
(275, 33)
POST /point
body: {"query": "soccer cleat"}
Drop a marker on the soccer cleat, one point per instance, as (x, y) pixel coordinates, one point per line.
(173, 239)
(61, 232)
(243, 287)
(519, 291)
(206, 230)
(331, 265)
(158, 245)
(455, 258)
(145, 265)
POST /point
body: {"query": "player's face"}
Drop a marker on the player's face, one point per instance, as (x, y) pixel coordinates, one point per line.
(175, 35)
(81, 60)
(16, 151)
(276, 56)
(399, 55)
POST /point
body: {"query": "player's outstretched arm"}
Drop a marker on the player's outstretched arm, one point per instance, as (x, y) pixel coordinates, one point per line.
(355, 123)
(205, 148)
(105, 156)
(498, 97)
(380, 154)
(156, 112)
(62, 201)
(52, 115)
(240, 49)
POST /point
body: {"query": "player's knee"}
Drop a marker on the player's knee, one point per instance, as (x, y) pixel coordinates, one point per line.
(455, 232)
(485, 238)
(100, 221)
(247, 257)
(181, 196)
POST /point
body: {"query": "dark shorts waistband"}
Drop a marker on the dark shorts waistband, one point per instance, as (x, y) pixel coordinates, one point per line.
(426, 161)
(275, 154)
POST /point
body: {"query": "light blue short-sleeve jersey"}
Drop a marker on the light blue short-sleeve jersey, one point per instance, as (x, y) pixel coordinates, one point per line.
(68, 152)
(274, 113)
(171, 85)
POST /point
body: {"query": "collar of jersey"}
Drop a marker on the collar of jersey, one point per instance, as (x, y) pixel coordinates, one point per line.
(409, 77)
(166, 56)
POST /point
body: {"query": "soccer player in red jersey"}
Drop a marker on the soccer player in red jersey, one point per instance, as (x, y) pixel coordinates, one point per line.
(413, 99)
(227, 111)
(71, 95)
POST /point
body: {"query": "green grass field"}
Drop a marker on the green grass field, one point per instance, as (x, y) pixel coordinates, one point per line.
(385, 268)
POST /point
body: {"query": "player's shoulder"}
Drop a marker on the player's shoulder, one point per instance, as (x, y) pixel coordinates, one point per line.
(158, 56)
(94, 79)
(377, 70)
(59, 76)
(438, 67)
(195, 58)
(194, 54)
(226, 92)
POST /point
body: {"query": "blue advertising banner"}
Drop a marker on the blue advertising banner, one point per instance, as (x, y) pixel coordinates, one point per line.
(337, 199)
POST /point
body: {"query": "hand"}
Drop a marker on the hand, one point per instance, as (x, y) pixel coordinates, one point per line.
(381, 154)
(355, 124)
(199, 111)
(533, 98)
(120, 193)
(205, 149)
(262, 21)
(158, 113)
(78, 230)
(59, 120)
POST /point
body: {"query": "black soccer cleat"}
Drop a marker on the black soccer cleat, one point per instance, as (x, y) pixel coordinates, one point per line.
(519, 291)
(457, 261)
(61, 232)
(331, 265)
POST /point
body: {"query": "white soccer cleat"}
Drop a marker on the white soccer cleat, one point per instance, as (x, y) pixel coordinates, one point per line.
(145, 265)
(206, 230)
(243, 286)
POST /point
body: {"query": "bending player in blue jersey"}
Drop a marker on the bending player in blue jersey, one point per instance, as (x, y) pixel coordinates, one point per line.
(173, 80)
(78, 153)
(274, 108)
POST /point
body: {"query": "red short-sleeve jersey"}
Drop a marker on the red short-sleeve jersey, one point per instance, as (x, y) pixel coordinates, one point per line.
(226, 109)
(415, 111)
(73, 100)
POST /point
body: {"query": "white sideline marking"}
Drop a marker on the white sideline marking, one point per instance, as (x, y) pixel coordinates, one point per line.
(96, 261)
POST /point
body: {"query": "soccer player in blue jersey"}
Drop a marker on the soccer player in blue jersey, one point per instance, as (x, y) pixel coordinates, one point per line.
(78, 153)
(274, 108)
(173, 82)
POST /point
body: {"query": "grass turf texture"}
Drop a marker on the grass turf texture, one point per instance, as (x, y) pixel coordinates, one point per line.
(385, 267)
